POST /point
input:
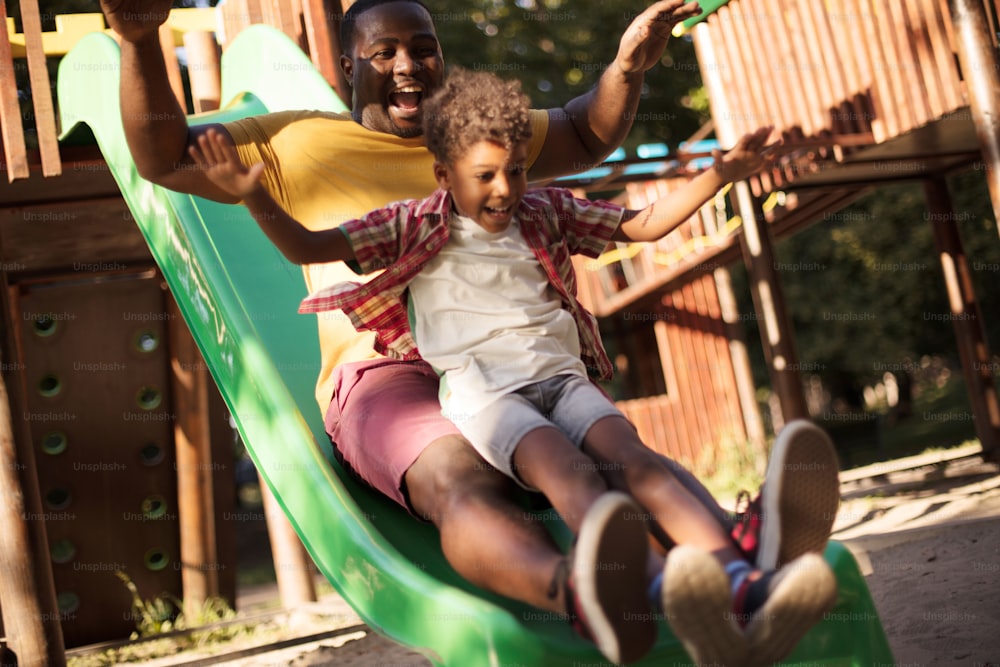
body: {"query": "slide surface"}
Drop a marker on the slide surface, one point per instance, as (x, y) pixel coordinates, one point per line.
(239, 296)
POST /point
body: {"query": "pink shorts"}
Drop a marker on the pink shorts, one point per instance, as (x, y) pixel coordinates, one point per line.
(384, 413)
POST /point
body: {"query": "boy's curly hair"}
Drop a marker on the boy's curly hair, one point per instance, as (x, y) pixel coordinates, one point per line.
(470, 107)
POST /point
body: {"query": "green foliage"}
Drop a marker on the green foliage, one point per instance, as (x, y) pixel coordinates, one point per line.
(152, 617)
(559, 49)
(865, 288)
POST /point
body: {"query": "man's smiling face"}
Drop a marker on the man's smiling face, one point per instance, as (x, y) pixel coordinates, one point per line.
(395, 64)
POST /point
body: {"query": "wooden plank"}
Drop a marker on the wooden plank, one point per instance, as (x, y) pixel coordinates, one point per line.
(173, 67)
(704, 346)
(836, 58)
(679, 363)
(910, 62)
(894, 63)
(687, 374)
(937, 29)
(928, 73)
(680, 448)
(204, 73)
(883, 94)
(813, 121)
(41, 95)
(11, 128)
(88, 235)
(770, 59)
(322, 22)
(865, 104)
(694, 349)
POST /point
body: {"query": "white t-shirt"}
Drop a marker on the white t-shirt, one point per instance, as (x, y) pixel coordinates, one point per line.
(485, 316)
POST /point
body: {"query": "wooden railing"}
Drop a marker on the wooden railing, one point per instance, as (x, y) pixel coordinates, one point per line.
(30, 137)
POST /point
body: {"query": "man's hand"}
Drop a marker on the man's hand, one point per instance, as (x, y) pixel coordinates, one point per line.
(216, 155)
(645, 39)
(747, 157)
(136, 19)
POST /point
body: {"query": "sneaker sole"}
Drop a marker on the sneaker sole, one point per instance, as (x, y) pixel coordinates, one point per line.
(801, 495)
(807, 590)
(699, 607)
(614, 545)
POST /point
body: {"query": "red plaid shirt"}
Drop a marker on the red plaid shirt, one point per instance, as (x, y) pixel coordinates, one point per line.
(402, 237)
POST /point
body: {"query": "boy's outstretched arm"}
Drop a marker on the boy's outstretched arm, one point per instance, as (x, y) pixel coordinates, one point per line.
(661, 217)
(222, 166)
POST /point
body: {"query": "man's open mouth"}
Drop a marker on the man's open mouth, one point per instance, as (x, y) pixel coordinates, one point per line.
(407, 98)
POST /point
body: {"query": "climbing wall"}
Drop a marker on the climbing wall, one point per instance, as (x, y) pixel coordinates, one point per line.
(95, 367)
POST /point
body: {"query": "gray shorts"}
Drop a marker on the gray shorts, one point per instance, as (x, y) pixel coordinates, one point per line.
(571, 403)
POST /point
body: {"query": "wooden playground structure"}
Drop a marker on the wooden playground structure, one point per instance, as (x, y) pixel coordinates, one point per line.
(877, 91)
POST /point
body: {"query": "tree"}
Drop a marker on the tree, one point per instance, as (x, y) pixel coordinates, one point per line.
(559, 49)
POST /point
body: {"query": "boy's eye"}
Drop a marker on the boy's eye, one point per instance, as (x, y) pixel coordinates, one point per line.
(485, 177)
(384, 53)
(516, 169)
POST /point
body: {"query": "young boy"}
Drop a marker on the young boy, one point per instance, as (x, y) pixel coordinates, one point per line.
(478, 275)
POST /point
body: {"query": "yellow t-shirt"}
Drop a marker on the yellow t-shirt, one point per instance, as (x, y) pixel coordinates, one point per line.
(324, 169)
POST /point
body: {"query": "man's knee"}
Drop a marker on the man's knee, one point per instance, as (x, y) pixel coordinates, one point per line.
(450, 474)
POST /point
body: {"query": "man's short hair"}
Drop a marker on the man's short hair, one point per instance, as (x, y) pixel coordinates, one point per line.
(350, 19)
(470, 107)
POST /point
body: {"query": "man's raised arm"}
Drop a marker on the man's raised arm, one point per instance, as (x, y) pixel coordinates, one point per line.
(155, 124)
(588, 128)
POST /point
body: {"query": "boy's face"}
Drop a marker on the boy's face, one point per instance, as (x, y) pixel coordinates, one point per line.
(395, 64)
(487, 183)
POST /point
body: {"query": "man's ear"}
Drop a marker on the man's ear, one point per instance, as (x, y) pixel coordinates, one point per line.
(441, 174)
(347, 65)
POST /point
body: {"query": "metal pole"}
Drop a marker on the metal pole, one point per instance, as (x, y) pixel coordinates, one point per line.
(980, 66)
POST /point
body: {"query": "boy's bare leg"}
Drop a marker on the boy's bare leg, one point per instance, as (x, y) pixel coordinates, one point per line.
(545, 460)
(631, 467)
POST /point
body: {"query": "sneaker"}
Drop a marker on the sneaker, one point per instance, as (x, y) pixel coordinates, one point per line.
(606, 588)
(699, 607)
(797, 505)
(782, 607)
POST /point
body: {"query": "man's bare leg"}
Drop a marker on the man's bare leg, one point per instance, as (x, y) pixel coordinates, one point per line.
(486, 535)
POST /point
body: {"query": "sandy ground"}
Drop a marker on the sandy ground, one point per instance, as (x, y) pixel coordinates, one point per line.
(928, 542)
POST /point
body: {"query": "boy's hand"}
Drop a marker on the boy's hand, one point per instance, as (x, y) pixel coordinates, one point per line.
(642, 44)
(746, 158)
(135, 19)
(217, 156)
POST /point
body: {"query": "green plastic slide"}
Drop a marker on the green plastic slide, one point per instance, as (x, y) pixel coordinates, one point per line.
(239, 298)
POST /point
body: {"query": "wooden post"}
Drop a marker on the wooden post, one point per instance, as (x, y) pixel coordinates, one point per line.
(192, 441)
(292, 564)
(769, 300)
(15, 154)
(30, 613)
(203, 70)
(322, 23)
(38, 73)
(973, 346)
(31, 618)
(980, 66)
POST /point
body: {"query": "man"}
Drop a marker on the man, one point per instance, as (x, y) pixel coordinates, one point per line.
(382, 414)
